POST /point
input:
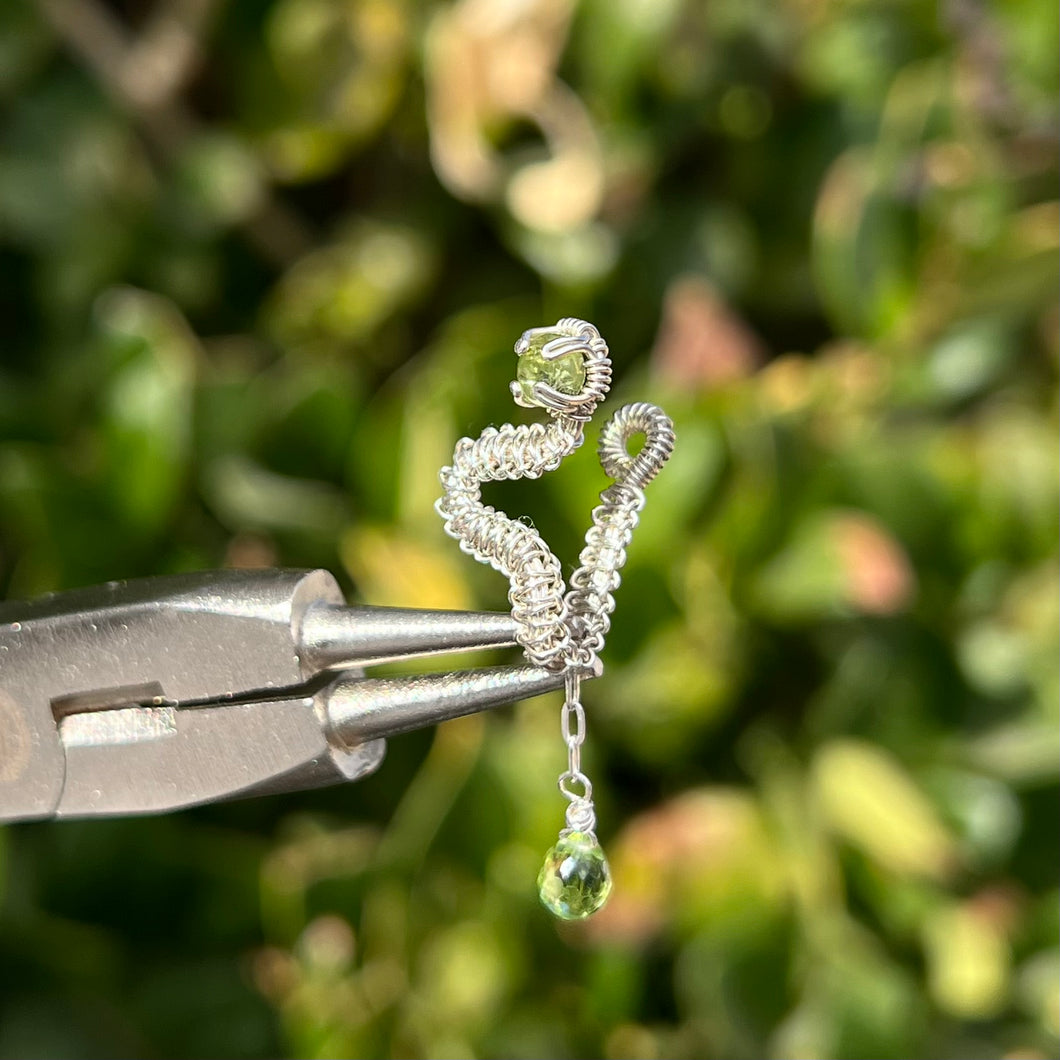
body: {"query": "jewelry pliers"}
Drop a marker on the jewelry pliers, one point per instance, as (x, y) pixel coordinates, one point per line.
(144, 696)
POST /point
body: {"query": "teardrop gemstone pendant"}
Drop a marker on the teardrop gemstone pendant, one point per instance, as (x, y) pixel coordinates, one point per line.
(575, 879)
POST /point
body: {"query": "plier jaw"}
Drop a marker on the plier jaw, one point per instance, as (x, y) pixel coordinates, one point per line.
(147, 696)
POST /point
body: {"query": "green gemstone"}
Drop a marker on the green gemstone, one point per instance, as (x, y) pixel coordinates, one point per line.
(575, 879)
(565, 374)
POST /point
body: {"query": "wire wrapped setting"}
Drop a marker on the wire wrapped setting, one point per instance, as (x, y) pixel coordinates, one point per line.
(559, 630)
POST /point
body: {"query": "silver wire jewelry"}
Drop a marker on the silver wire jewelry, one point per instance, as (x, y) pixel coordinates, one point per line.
(566, 371)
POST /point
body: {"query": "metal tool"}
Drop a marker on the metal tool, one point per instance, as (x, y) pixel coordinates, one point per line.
(145, 696)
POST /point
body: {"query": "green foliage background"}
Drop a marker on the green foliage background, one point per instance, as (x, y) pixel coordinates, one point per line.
(261, 263)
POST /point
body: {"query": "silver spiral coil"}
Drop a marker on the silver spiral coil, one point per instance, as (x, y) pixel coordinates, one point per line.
(509, 452)
(591, 602)
(518, 551)
(626, 424)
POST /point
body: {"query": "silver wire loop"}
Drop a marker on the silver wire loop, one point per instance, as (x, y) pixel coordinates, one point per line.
(571, 777)
(625, 424)
(577, 734)
(581, 816)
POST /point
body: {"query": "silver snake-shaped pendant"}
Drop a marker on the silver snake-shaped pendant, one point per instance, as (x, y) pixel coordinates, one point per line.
(556, 629)
(565, 370)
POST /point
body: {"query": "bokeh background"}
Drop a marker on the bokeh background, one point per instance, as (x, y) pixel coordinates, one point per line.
(262, 262)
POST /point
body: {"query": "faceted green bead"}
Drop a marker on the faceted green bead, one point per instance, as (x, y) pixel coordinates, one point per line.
(565, 374)
(575, 879)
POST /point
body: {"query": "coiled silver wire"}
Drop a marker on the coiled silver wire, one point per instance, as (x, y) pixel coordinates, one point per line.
(590, 602)
(518, 551)
(557, 629)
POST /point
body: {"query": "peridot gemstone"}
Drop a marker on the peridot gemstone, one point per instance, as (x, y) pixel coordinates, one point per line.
(575, 879)
(565, 374)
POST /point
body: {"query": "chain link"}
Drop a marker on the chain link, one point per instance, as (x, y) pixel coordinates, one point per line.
(573, 709)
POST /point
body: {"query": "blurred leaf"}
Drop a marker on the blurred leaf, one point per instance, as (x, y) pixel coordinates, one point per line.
(248, 497)
(870, 801)
(338, 296)
(968, 962)
(1039, 987)
(146, 420)
(342, 65)
(394, 571)
(864, 249)
(218, 182)
(836, 563)
(679, 686)
(24, 45)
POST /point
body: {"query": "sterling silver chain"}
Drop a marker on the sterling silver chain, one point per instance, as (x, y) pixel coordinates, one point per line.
(561, 630)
